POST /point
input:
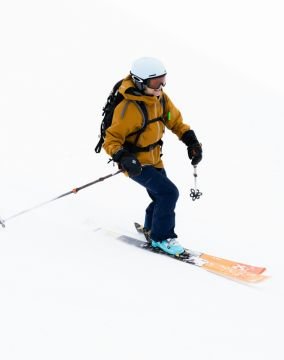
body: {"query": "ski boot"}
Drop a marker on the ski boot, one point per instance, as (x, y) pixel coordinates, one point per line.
(169, 246)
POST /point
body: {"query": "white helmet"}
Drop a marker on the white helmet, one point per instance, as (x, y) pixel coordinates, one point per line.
(146, 68)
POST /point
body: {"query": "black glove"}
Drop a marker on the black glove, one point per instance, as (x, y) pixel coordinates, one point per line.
(127, 162)
(194, 148)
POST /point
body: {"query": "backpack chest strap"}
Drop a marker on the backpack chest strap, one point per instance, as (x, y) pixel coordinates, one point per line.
(142, 107)
(132, 148)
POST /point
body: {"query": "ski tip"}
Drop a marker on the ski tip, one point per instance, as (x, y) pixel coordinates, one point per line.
(260, 270)
(257, 278)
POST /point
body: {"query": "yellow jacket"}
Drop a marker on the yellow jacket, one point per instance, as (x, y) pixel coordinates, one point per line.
(128, 118)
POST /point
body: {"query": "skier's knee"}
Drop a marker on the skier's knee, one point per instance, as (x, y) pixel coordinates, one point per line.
(173, 193)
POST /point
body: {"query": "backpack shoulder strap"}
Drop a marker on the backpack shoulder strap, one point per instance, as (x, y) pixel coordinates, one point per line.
(143, 109)
(163, 102)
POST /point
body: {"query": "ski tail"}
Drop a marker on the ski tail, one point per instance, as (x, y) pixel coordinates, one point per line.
(143, 231)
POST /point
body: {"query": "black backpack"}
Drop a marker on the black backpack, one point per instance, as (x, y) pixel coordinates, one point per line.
(113, 100)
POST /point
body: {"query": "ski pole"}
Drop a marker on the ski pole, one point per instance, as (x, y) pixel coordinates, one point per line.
(195, 193)
(73, 191)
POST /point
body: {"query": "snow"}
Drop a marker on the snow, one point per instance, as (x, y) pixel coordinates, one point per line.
(68, 288)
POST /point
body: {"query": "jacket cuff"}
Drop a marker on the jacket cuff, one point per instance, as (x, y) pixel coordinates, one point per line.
(189, 138)
(119, 154)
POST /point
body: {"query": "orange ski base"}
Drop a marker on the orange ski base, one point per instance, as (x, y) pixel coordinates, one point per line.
(233, 269)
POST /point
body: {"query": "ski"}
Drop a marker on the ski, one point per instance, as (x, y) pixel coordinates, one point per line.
(224, 267)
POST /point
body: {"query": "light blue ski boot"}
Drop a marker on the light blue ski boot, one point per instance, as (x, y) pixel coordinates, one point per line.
(169, 246)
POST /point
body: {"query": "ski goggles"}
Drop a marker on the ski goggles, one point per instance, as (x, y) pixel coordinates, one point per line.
(156, 83)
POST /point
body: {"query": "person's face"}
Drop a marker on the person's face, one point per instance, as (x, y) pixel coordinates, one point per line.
(154, 86)
(153, 92)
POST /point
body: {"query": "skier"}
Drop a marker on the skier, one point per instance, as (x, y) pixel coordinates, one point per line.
(139, 153)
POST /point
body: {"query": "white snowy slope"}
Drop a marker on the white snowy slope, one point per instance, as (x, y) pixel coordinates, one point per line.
(69, 289)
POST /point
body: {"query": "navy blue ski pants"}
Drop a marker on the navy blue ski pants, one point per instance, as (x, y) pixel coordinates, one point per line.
(160, 214)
